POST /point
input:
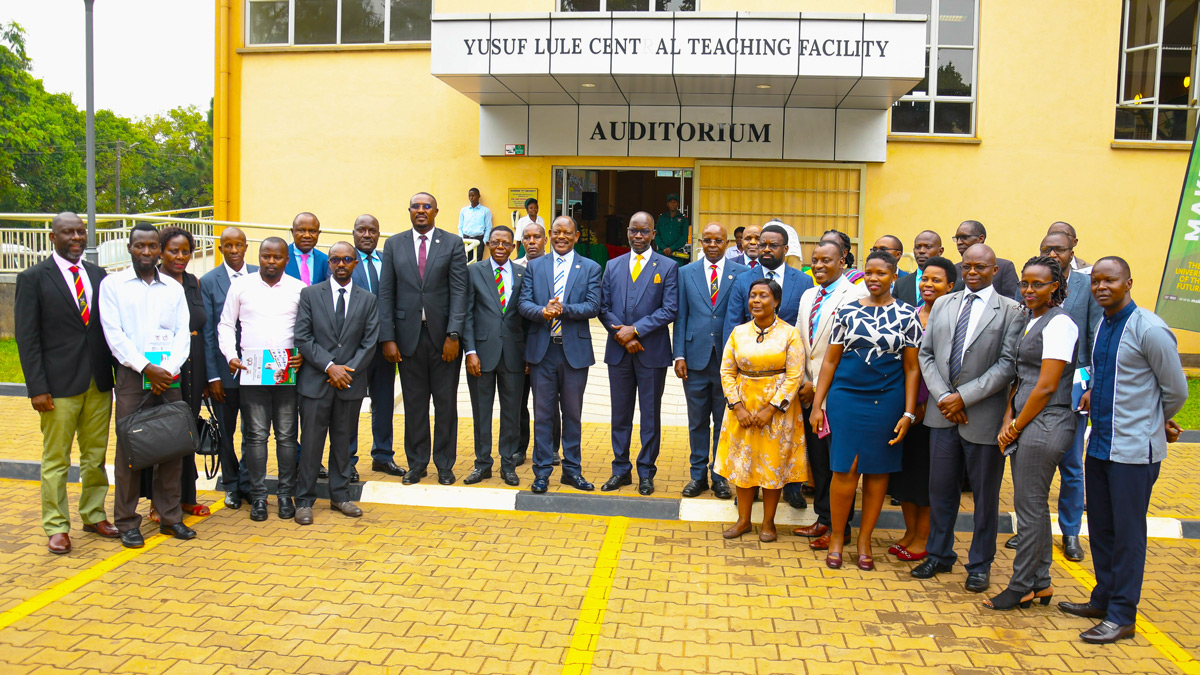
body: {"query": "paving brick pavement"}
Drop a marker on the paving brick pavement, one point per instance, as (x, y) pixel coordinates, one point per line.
(410, 590)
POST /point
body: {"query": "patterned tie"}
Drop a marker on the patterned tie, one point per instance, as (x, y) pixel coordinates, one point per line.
(560, 289)
(960, 339)
(305, 274)
(816, 310)
(771, 275)
(712, 284)
(920, 300)
(339, 312)
(637, 266)
(84, 312)
(500, 289)
(421, 255)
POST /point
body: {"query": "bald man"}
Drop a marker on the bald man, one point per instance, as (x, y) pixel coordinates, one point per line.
(926, 245)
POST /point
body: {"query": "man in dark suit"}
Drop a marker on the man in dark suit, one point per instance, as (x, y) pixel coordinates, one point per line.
(494, 340)
(69, 377)
(972, 232)
(704, 287)
(305, 261)
(639, 297)
(927, 244)
(749, 245)
(337, 327)
(772, 249)
(968, 360)
(223, 387)
(561, 293)
(381, 378)
(423, 299)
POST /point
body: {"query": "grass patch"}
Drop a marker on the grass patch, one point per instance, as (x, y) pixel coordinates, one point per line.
(1189, 417)
(10, 363)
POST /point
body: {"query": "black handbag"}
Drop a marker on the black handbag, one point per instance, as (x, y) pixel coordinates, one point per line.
(156, 435)
(208, 443)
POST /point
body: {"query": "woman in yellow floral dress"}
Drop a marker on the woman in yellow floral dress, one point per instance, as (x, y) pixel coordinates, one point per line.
(762, 440)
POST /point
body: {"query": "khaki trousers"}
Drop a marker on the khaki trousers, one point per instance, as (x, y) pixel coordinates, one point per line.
(84, 418)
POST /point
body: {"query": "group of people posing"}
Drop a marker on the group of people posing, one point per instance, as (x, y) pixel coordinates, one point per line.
(916, 383)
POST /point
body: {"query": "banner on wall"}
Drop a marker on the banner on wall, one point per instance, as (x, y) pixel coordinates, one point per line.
(1179, 296)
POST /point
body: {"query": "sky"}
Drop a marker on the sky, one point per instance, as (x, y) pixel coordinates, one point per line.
(150, 55)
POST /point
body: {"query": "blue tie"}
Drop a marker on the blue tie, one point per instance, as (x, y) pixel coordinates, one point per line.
(560, 289)
(960, 339)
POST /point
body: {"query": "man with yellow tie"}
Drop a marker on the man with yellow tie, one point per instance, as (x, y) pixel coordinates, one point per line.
(639, 296)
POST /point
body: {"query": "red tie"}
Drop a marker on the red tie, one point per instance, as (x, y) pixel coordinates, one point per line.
(421, 258)
(712, 285)
(753, 264)
(812, 315)
(84, 312)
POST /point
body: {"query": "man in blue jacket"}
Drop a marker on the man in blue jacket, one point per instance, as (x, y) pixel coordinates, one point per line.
(772, 250)
(561, 293)
(704, 287)
(638, 300)
(305, 261)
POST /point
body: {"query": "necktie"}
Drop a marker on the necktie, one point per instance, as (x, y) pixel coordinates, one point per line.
(753, 264)
(372, 275)
(920, 300)
(500, 289)
(815, 312)
(339, 312)
(960, 339)
(421, 255)
(305, 274)
(712, 284)
(771, 275)
(637, 266)
(560, 289)
(84, 312)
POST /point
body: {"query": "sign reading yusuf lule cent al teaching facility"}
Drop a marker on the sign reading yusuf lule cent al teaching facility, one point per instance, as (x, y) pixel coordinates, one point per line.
(712, 85)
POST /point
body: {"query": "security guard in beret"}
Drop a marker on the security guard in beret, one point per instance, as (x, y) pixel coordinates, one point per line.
(672, 228)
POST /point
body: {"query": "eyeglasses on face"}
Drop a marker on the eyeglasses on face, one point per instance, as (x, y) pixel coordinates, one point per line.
(772, 247)
(965, 237)
(1054, 250)
(712, 242)
(1035, 285)
(420, 207)
(876, 249)
(500, 244)
(342, 260)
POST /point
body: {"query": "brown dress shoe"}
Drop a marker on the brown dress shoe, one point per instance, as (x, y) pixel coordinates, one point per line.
(59, 543)
(814, 530)
(103, 528)
(346, 508)
(822, 543)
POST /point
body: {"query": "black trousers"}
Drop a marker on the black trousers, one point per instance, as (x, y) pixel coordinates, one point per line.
(336, 419)
(424, 375)
(233, 472)
(1118, 497)
(818, 462)
(483, 391)
(948, 455)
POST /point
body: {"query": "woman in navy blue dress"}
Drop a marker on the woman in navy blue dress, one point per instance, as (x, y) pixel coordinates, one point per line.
(868, 388)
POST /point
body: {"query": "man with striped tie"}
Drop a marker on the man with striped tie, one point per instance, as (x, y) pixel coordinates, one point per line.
(968, 359)
(494, 344)
(560, 296)
(69, 376)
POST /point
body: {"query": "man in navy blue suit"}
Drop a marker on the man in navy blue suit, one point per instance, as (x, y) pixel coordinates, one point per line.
(223, 387)
(638, 300)
(305, 261)
(704, 288)
(749, 246)
(772, 249)
(560, 295)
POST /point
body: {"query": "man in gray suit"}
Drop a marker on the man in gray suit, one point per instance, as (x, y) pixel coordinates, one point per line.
(423, 306)
(223, 387)
(968, 359)
(494, 340)
(337, 326)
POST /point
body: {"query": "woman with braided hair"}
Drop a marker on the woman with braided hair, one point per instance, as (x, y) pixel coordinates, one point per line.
(1039, 427)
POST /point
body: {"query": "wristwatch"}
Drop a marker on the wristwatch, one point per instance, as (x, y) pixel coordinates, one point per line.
(733, 405)
(452, 336)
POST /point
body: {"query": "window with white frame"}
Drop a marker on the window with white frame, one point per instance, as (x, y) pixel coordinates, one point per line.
(1156, 98)
(627, 5)
(336, 22)
(943, 103)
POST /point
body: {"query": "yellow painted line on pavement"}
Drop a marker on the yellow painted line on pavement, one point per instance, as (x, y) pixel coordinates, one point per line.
(62, 588)
(595, 603)
(1158, 639)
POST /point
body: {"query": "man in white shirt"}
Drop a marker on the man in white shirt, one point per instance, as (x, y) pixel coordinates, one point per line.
(145, 319)
(266, 305)
(475, 221)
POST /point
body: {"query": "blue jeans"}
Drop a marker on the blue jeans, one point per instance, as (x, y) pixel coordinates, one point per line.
(1070, 475)
(262, 409)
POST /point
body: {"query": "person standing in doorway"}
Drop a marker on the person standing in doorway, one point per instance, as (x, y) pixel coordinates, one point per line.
(673, 232)
(474, 222)
(735, 251)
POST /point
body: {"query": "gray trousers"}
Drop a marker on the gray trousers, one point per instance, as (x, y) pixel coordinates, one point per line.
(128, 394)
(1040, 448)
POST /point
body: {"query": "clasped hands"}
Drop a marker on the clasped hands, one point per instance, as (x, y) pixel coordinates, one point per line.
(627, 337)
(756, 419)
(953, 408)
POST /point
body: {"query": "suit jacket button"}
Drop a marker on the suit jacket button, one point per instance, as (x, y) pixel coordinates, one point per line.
(339, 345)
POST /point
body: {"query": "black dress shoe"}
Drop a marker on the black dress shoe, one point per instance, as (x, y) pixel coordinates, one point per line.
(519, 459)
(354, 478)
(930, 569)
(177, 530)
(1012, 542)
(258, 510)
(695, 488)
(540, 484)
(447, 477)
(472, 478)
(389, 468)
(510, 477)
(615, 482)
(287, 508)
(797, 501)
(556, 461)
(1072, 550)
(414, 477)
(645, 486)
(1107, 632)
(132, 539)
(721, 489)
(577, 481)
(322, 472)
(1085, 609)
(233, 500)
(978, 582)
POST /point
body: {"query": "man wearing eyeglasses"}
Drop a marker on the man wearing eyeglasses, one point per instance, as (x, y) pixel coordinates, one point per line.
(772, 249)
(1077, 264)
(892, 245)
(972, 232)
(423, 299)
(494, 340)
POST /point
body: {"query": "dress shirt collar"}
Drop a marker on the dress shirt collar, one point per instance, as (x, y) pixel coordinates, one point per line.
(64, 264)
(833, 286)
(335, 287)
(506, 267)
(984, 294)
(1121, 315)
(708, 268)
(373, 255)
(232, 272)
(634, 255)
(568, 257)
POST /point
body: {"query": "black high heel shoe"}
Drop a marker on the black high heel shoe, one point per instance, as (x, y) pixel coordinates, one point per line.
(1010, 599)
(1043, 595)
